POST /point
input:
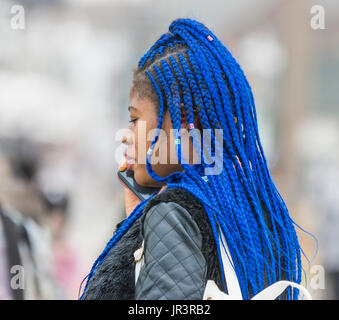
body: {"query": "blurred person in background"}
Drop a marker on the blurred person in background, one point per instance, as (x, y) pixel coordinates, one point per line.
(25, 262)
(64, 258)
(329, 233)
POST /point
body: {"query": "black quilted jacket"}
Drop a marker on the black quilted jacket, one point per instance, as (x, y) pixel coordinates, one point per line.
(180, 254)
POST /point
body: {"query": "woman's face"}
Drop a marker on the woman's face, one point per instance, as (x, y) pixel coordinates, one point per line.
(143, 124)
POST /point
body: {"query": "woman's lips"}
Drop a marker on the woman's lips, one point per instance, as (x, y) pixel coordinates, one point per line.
(129, 166)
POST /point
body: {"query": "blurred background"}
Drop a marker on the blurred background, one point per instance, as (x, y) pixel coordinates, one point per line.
(64, 77)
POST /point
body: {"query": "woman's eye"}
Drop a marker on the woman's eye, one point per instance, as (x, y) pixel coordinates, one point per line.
(132, 122)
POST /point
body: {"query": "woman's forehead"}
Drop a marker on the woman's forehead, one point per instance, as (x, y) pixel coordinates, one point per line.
(141, 105)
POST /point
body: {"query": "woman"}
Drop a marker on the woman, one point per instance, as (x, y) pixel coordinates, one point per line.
(189, 80)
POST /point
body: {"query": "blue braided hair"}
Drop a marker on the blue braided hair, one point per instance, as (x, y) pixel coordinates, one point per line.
(189, 66)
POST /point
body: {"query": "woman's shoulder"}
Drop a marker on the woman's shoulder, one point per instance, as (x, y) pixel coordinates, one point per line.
(180, 208)
(181, 197)
(183, 200)
(175, 266)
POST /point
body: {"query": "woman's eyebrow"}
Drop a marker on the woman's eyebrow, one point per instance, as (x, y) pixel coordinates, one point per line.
(131, 107)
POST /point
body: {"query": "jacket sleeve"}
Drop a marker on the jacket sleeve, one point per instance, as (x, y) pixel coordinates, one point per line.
(174, 266)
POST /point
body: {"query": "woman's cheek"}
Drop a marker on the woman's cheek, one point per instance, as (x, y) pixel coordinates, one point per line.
(141, 175)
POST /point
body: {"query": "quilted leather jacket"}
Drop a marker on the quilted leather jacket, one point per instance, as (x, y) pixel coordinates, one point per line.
(180, 254)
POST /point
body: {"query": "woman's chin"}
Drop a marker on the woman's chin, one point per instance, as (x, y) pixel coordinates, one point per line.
(140, 176)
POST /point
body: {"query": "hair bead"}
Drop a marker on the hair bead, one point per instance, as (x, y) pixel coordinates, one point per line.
(150, 150)
(191, 126)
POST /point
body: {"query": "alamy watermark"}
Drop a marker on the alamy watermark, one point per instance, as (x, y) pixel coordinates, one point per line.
(17, 280)
(318, 17)
(317, 277)
(17, 20)
(177, 139)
